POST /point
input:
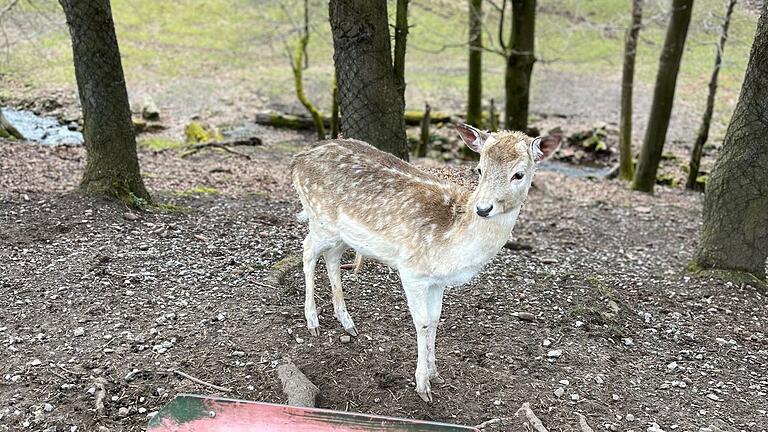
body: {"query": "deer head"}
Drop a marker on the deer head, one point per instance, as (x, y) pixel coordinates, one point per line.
(507, 163)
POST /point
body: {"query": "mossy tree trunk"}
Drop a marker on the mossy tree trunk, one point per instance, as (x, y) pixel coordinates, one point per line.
(626, 166)
(112, 166)
(7, 130)
(298, 64)
(703, 135)
(335, 110)
(735, 231)
(401, 40)
(475, 87)
(663, 96)
(517, 78)
(369, 91)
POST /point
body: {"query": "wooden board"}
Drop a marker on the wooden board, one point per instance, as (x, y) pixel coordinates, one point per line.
(192, 413)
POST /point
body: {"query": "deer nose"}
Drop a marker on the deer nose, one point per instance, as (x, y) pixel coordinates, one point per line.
(483, 210)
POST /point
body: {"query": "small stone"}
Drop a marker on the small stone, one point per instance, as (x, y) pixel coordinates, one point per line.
(554, 353)
(559, 392)
(299, 340)
(628, 341)
(131, 216)
(35, 362)
(672, 366)
(615, 397)
(123, 411)
(142, 410)
(497, 402)
(599, 379)
(642, 209)
(79, 331)
(546, 342)
(654, 427)
(238, 354)
(564, 382)
(575, 397)
(345, 339)
(525, 316)
(630, 417)
(578, 324)
(713, 396)
(47, 407)
(221, 317)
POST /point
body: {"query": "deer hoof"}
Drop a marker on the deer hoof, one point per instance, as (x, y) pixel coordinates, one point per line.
(352, 330)
(426, 395)
(315, 331)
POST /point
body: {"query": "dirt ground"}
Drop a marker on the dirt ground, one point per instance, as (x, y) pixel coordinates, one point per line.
(98, 296)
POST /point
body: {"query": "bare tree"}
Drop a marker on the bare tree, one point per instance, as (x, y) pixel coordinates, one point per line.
(701, 137)
(735, 231)
(626, 165)
(370, 93)
(112, 166)
(401, 39)
(663, 96)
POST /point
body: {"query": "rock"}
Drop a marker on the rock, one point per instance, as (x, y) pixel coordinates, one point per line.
(79, 331)
(35, 362)
(575, 397)
(142, 410)
(547, 342)
(345, 339)
(525, 316)
(564, 382)
(642, 209)
(628, 341)
(599, 379)
(123, 411)
(613, 306)
(630, 417)
(554, 353)
(672, 366)
(654, 427)
(238, 354)
(559, 392)
(713, 397)
(131, 216)
(47, 407)
(150, 111)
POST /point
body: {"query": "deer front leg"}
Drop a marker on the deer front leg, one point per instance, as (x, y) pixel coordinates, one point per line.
(310, 309)
(435, 307)
(417, 295)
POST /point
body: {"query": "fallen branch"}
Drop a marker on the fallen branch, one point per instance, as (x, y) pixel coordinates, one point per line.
(300, 390)
(583, 423)
(534, 421)
(220, 145)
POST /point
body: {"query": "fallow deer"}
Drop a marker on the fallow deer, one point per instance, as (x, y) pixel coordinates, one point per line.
(435, 233)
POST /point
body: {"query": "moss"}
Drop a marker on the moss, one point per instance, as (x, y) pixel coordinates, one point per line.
(160, 143)
(197, 190)
(734, 276)
(167, 208)
(197, 132)
(668, 180)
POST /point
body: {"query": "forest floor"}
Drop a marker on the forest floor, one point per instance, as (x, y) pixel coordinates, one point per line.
(97, 295)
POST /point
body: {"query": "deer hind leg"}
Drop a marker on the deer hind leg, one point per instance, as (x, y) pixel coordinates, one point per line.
(311, 253)
(333, 264)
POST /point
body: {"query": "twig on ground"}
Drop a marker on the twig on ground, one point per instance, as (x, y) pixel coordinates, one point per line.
(487, 423)
(199, 381)
(99, 396)
(583, 423)
(534, 421)
(264, 285)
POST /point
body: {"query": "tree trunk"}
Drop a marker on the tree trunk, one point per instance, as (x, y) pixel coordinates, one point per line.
(335, 110)
(735, 231)
(425, 138)
(701, 137)
(626, 166)
(475, 88)
(401, 38)
(517, 78)
(371, 105)
(663, 96)
(112, 166)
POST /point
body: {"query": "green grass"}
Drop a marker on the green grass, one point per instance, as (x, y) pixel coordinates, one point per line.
(222, 47)
(160, 143)
(197, 191)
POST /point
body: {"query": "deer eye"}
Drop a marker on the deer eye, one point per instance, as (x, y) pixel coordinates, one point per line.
(518, 176)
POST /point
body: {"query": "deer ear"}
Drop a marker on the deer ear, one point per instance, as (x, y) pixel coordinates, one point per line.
(473, 138)
(543, 148)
